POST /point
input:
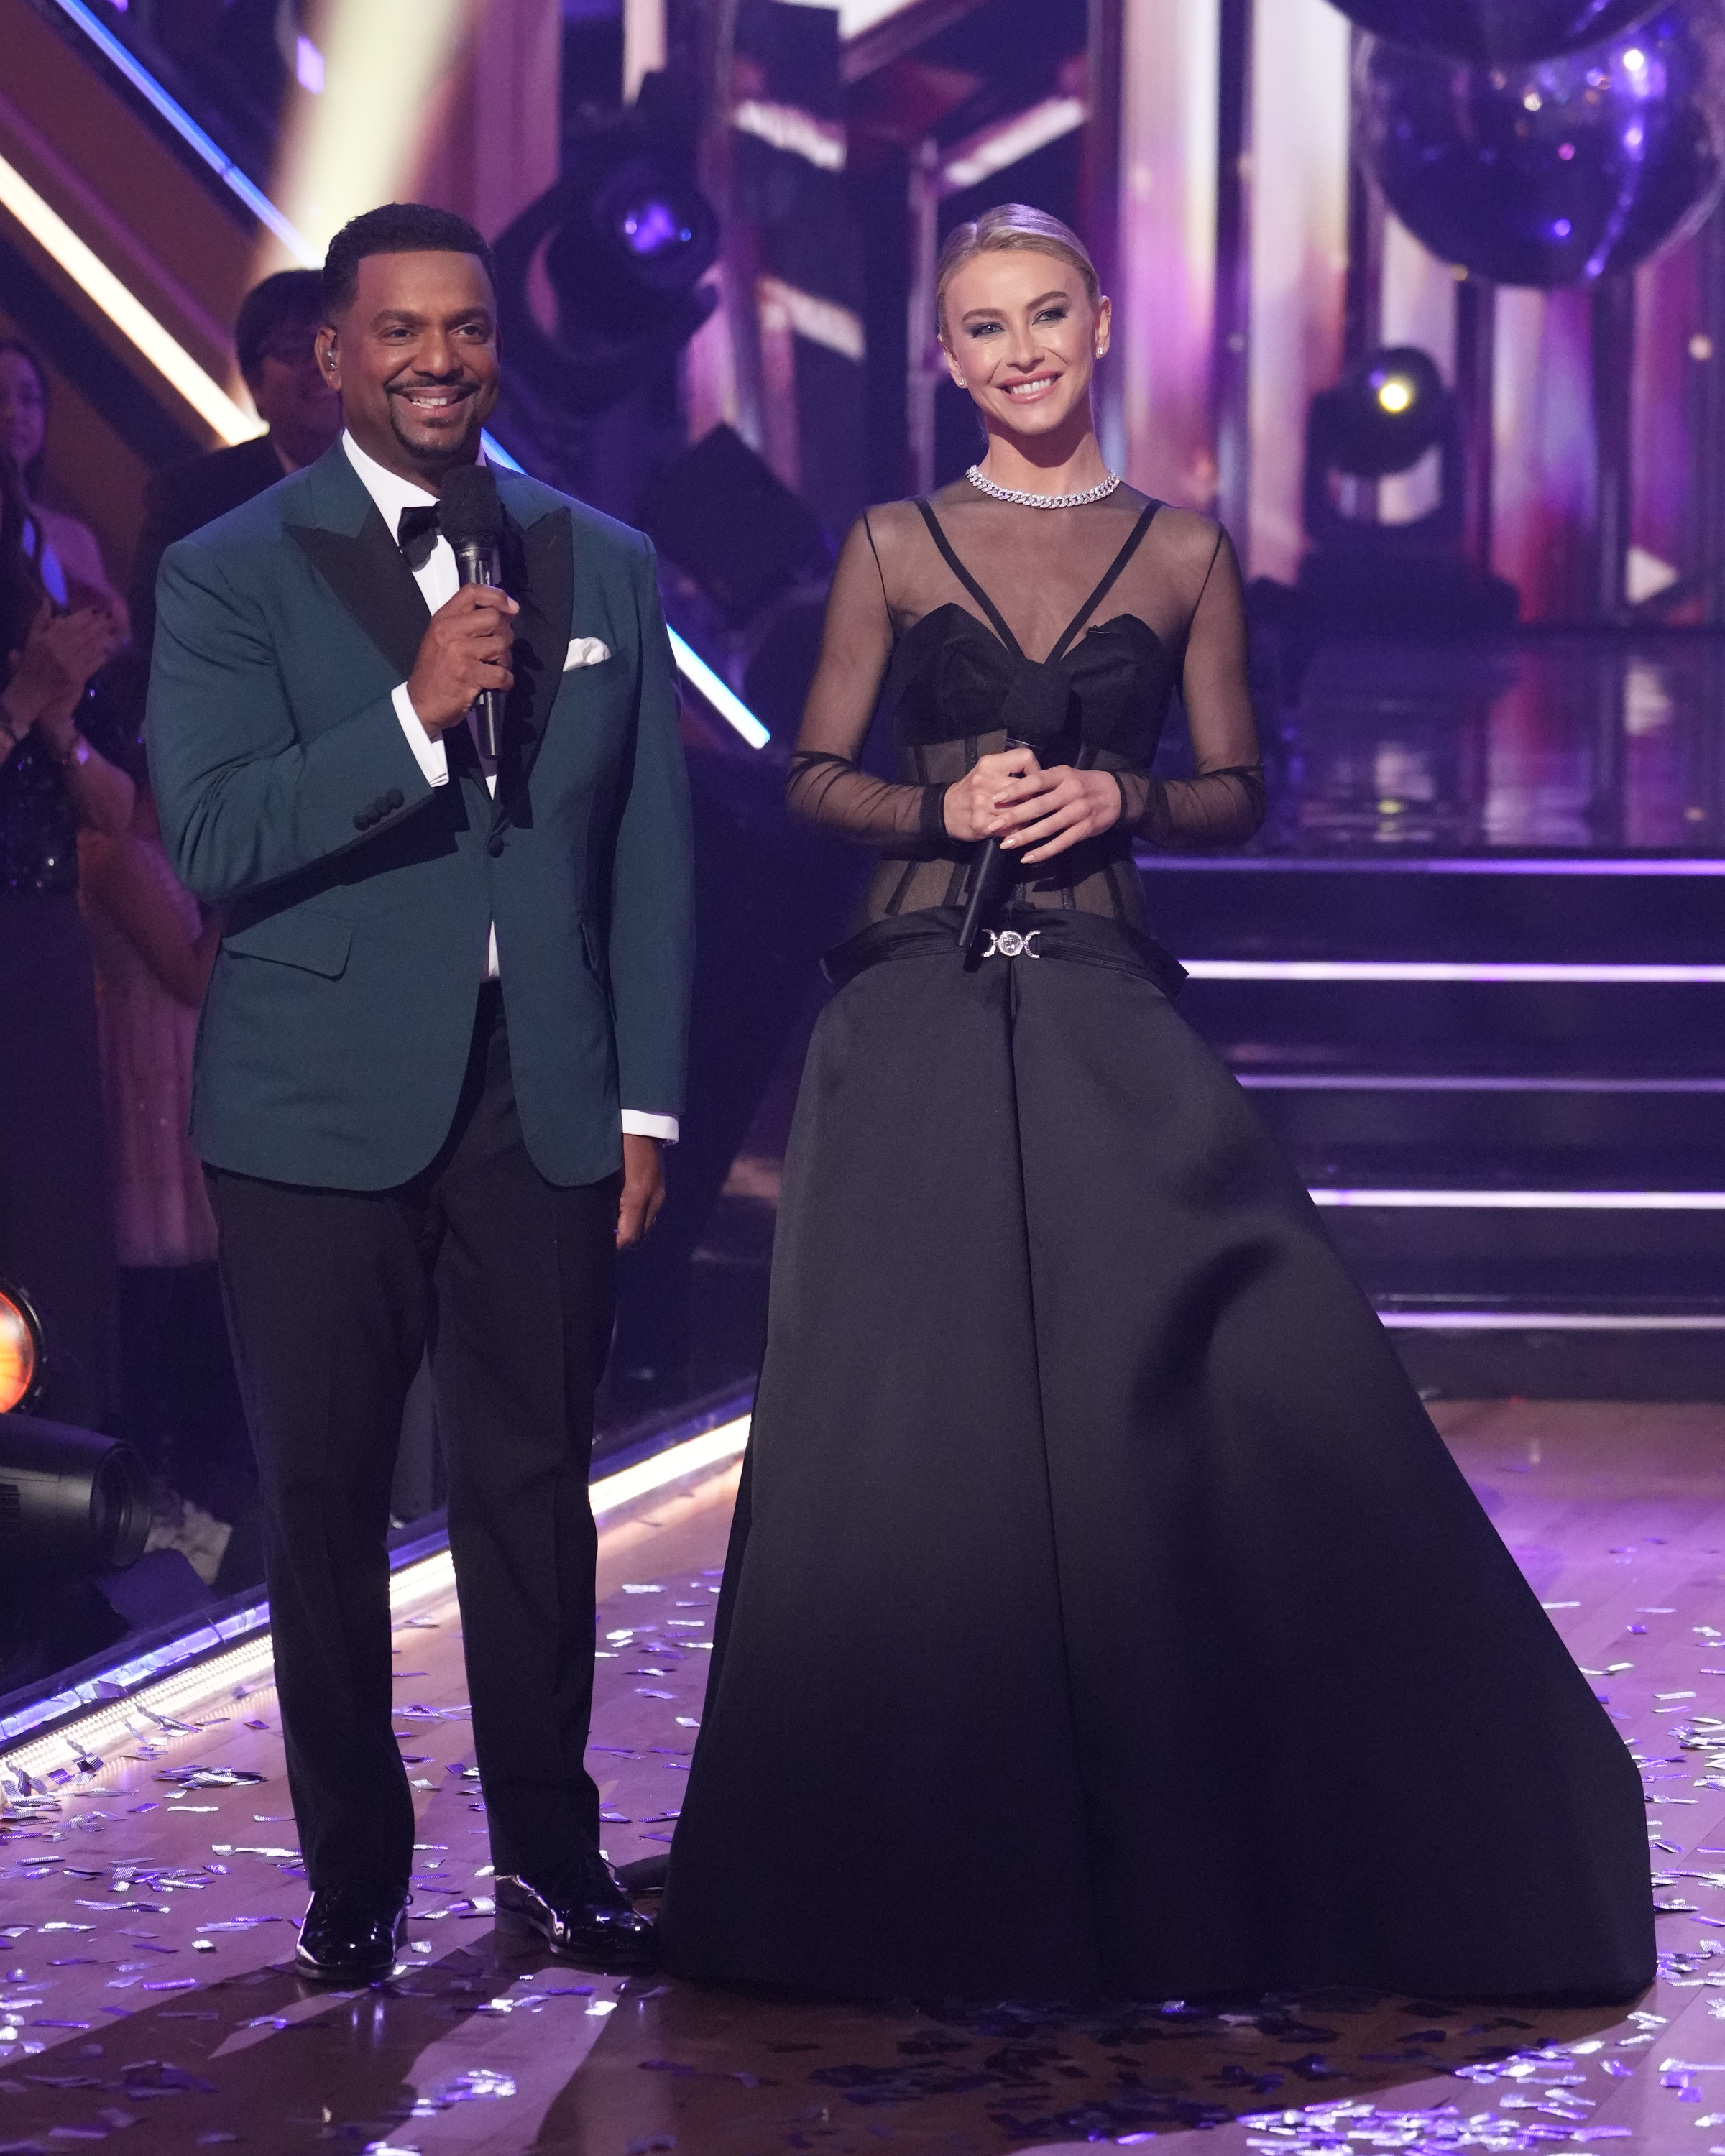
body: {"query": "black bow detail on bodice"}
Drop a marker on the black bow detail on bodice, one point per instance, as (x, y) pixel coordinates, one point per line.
(951, 680)
(1038, 705)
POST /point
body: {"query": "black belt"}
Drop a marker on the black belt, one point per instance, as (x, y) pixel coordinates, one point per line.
(1024, 933)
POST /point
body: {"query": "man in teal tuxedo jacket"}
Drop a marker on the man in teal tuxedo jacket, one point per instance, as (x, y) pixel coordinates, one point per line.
(441, 1042)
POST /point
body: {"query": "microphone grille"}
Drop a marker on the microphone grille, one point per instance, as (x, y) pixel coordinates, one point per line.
(467, 509)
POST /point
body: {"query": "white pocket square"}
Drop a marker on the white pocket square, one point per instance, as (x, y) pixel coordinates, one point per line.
(586, 651)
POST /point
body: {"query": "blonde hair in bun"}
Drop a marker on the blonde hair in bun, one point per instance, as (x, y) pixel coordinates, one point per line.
(1006, 227)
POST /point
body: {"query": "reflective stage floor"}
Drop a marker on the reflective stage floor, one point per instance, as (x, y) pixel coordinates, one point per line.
(147, 1906)
(1567, 742)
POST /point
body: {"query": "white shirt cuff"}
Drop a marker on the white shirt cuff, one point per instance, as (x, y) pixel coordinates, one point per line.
(431, 756)
(636, 1125)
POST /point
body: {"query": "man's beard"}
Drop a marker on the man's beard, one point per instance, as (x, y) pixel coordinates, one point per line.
(435, 457)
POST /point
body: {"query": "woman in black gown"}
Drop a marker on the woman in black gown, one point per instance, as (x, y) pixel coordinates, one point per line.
(1103, 1614)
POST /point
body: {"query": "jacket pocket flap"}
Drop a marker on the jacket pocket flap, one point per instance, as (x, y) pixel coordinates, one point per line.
(317, 942)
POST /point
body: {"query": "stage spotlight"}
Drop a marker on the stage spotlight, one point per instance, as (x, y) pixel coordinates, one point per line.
(640, 239)
(72, 1504)
(1387, 413)
(621, 243)
(20, 1349)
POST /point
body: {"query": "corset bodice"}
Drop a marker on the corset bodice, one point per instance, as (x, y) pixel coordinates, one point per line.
(952, 679)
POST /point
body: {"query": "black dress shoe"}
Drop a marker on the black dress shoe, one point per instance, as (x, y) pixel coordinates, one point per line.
(351, 1935)
(583, 1916)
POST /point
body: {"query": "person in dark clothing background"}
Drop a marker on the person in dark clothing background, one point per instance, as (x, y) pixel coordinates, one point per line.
(55, 1241)
(64, 552)
(167, 1358)
(273, 341)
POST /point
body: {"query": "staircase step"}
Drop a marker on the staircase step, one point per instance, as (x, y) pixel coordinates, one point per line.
(1671, 1129)
(1656, 1028)
(1529, 1261)
(1655, 908)
(1532, 1353)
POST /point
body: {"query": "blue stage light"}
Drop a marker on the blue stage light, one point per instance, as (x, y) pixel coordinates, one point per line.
(651, 227)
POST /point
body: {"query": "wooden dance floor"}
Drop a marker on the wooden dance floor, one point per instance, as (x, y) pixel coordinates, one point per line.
(147, 1906)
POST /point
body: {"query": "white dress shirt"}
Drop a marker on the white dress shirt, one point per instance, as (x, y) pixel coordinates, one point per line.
(438, 581)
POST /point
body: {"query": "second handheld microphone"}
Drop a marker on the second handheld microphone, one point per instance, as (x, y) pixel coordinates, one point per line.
(471, 517)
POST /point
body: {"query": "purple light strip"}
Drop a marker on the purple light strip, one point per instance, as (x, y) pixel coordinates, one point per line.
(1557, 864)
(1525, 1201)
(123, 1679)
(1428, 970)
(1357, 1082)
(1542, 1321)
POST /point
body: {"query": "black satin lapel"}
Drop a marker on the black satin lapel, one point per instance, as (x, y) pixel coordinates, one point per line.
(368, 572)
(539, 573)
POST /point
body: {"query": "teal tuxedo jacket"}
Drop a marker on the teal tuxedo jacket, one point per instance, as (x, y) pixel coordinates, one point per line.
(357, 897)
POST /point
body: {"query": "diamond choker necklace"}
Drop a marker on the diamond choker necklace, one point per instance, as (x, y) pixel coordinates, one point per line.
(1096, 493)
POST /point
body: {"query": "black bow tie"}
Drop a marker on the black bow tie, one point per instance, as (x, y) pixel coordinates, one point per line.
(416, 534)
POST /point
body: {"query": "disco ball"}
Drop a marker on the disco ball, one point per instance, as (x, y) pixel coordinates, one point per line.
(1555, 172)
(1494, 31)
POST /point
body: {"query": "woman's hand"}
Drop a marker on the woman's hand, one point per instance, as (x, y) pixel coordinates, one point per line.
(1035, 814)
(60, 654)
(972, 805)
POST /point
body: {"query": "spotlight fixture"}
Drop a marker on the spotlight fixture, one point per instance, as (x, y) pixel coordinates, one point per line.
(1388, 412)
(621, 243)
(20, 1349)
(72, 1504)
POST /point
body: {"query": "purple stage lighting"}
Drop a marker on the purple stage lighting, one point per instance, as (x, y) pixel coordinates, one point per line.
(649, 227)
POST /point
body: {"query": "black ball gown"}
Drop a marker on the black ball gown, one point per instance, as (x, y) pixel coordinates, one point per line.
(1103, 1615)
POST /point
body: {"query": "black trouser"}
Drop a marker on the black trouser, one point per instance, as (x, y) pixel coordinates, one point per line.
(332, 1295)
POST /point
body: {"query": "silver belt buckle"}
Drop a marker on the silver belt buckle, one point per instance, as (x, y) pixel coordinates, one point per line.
(1008, 943)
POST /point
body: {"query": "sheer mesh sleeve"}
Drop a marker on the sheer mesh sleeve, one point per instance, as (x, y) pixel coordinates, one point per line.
(825, 783)
(1223, 803)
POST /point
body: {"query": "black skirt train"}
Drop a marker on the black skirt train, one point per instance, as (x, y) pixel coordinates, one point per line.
(1103, 1614)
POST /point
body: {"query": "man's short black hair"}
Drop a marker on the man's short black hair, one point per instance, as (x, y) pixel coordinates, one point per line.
(395, 228)
(285, 301)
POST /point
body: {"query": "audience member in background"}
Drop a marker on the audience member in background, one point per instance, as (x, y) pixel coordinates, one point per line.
(67, 559)
(153, 946)
(274, 341)
(56, 1241)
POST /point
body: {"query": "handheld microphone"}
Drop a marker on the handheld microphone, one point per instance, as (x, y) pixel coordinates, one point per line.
(471, 517)
(1035, 714)
(989, 879)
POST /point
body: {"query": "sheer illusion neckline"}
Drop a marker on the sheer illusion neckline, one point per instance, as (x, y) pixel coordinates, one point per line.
(998, 621)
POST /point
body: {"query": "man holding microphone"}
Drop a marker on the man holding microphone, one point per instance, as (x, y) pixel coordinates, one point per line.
(443, 1042)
